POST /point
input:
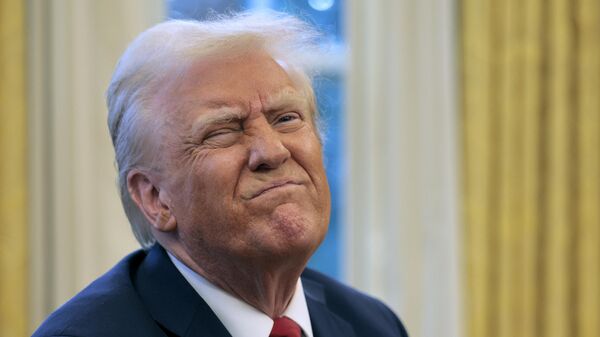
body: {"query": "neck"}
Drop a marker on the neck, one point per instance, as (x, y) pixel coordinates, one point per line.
(267, 288)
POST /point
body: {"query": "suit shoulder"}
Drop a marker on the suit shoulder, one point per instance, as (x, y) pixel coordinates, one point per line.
(109, 306)
(364, 311)
(337, 291)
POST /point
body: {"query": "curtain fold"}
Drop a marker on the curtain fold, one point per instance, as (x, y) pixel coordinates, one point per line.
(77, 226)
(531, 174)
(13, 173)
(402, 229)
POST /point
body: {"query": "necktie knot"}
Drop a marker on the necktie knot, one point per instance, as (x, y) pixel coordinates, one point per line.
(285, 327)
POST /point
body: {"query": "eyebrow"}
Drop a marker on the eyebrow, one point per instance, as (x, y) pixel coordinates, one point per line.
(285, 98)
(221, 115)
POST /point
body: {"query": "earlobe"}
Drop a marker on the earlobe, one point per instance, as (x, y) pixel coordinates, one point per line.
(151, 200)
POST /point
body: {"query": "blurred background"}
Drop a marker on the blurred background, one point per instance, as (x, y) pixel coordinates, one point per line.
(462, 149)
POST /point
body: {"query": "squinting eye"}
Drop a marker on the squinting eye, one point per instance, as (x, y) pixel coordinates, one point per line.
(288, 117)
(219, 134)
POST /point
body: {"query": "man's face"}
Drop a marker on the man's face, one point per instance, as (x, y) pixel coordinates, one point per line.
(241, 162)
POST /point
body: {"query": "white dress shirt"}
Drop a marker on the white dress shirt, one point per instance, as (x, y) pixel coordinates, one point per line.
(238, 317)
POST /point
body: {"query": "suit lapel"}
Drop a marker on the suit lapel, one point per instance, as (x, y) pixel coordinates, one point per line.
(324, 322)
(173, 303)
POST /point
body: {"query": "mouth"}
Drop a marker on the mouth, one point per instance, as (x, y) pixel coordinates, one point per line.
(273, 186)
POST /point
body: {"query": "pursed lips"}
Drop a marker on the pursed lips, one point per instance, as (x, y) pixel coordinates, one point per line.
(273, 185)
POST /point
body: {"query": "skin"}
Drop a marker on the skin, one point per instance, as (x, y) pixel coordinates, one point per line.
(238, 190)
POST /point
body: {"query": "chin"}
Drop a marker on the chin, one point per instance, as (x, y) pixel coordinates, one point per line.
(290, 221)
(292, 233)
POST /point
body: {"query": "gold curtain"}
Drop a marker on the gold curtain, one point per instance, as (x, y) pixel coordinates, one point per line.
(13, 173)
(531, 146)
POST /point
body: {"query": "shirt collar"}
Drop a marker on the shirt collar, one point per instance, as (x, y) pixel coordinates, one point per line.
(238, 317)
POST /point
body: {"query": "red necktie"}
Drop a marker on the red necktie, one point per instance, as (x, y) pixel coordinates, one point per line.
(285, 327)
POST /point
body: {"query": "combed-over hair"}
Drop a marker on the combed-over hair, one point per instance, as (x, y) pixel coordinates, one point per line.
(164, 51)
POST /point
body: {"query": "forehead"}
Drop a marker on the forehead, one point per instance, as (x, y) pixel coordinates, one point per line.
(244, 81)
(235, 77)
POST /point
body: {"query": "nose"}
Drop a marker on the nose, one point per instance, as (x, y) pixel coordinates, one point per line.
(267, 150)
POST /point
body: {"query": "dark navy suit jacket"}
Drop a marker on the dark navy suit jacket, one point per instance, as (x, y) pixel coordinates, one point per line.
(145, 295)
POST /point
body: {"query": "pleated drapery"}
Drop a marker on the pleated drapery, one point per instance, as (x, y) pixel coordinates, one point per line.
(531, 174)
(13, 173)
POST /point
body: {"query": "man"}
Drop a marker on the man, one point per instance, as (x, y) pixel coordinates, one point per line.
(216, 137)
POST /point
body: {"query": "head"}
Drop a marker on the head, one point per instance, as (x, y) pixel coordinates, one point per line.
(215, 132)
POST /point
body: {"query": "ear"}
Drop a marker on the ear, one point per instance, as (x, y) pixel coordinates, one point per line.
(150, 200)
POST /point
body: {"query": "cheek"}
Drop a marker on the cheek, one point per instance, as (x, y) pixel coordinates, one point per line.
(309, 155)
(213, 179)
(207, 192)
